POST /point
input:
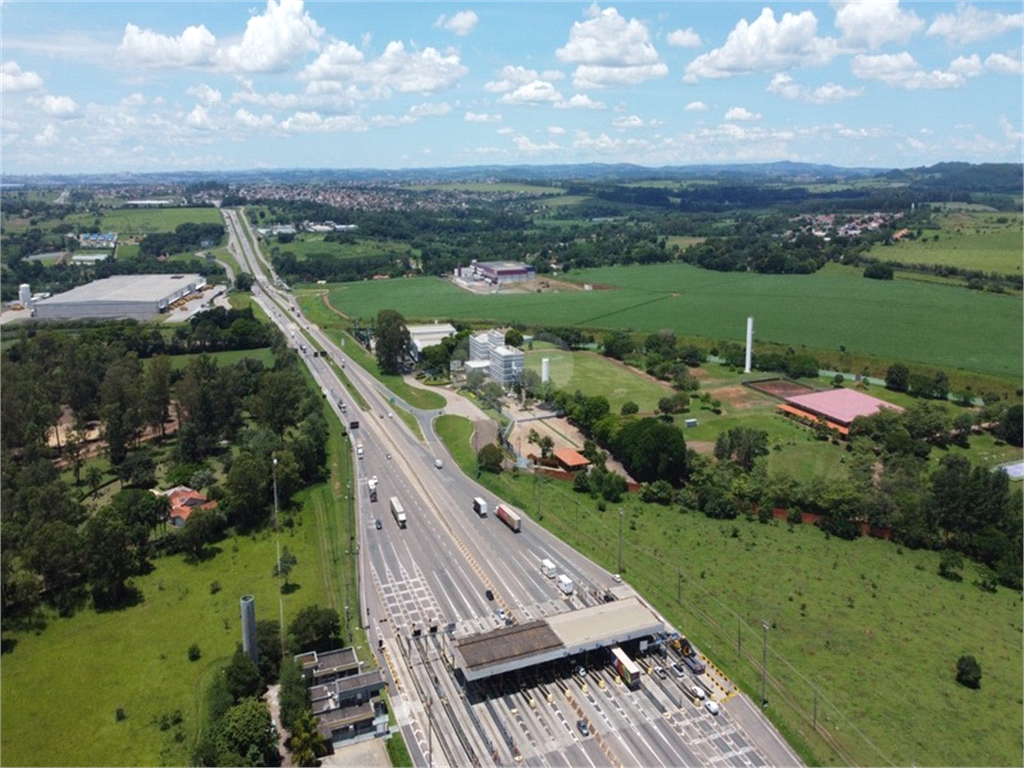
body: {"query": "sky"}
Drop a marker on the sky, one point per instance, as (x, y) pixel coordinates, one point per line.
(89, 87)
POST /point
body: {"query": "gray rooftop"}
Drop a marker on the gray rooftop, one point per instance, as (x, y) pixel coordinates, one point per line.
(506, 643)
(125, 288)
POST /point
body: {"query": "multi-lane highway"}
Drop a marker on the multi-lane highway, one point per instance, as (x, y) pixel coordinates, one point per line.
(450, 568)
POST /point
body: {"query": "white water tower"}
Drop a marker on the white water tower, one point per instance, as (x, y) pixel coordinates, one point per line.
(750, 344)
(545, 370)
(248, 607)
(25, 295)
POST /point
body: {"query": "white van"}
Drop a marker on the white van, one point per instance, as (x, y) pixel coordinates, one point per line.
(564, 583)
(480, 506)
(359, 451)
(548, 568)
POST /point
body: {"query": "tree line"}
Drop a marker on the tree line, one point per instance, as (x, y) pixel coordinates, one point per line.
(185, 237)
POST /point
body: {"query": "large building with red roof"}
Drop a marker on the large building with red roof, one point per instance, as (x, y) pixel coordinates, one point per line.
(837, 407)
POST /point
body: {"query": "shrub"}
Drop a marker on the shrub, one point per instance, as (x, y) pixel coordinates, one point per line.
(194, 653)
(968, 672)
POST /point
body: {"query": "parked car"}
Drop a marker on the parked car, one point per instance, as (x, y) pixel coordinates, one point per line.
(698, 691)
(584, 728)
(712, 707)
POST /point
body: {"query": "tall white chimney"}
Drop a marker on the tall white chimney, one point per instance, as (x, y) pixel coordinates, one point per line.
(750, 344)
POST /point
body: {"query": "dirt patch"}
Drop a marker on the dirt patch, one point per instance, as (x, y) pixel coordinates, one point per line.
(327, 302)
(705, 447)
(636, 372)
(699, 373)
(780, 388)
(737, 396)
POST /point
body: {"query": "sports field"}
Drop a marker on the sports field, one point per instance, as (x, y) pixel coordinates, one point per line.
(987, 241)
(903, 320)
(142, 221)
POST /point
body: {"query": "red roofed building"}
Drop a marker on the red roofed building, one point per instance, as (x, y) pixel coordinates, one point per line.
(838, 407)
(570, 460)
(183, 501)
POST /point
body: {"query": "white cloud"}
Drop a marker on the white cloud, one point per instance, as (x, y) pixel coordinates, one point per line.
(196, 46)
(971, 25)
(199, 118)
(505, 131)
(602, 141)
(461, 23)
(556, 130)
(901, 70)
(511, 77)
(133, 100)
(303, 121)
(684, 38)
(579, 101)
(405, 71)
(274, 40)
(524, 144)
(312, 121)
(12, 78)
(1003, 64)
(610, 51)
(1011, 133)
(741, 113)
(249, 120)
(876, 23)
(628, 122)
(205, 93)
(47, 136)
(419, 111)
(765, 45)
(476, 117)
(61, 107)
(536, 92)
(786, 87)
(696, 106)
(861, 133)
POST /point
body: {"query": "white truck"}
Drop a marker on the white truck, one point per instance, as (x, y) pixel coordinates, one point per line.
(398, 511)
(372, 485)
(359, 450)
(548, 568)
(480, 506)
(564, 583)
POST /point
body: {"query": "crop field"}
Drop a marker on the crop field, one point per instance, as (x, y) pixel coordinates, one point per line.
(142, 221)
(991, 242)
(863, 629)
(473, 186)
(683, 241)
(902, 320)
(309, 244)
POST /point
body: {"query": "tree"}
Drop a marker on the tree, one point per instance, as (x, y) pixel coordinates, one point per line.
(546, 444)
(306, 744)
(1011, 427)
(284, 567)
(581, 481)
(897, 378)
(666, 406)
(392, 337)
(268, 641)
(243, 281)
(949, 565)
(243, 676)
(94, 477)
(294, 693)
(618, 344)
(628, 408)
(246, 737)
(202, 527)
(57, 557)
(513, 338)
(156, 392)
(315, 629)
(489, 458)
(246, 489)
(110, 559)
(968, 672)
(651, 450)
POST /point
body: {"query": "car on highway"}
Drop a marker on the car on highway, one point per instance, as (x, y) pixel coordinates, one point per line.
(489, 594)
(377, 523)
(677, 669)
(712, 707)
(584, 728)
(660, 672)
(698, 691)
(501, 614)
(388, 456)
(438, 463)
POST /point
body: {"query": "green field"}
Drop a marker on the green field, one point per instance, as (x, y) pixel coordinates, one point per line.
(914, 322)
(871, 628)
(482, 186)
(306, 245)
(142, 221)
(223, 359)
(683, 241)
(967, 239)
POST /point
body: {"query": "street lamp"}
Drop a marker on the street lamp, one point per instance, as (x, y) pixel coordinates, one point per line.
(764, 662)
(620, 539)
(277, 538)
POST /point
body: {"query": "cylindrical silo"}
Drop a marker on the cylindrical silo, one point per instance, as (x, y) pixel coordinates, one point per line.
(248, 605)
(545, 370)
(25, 294)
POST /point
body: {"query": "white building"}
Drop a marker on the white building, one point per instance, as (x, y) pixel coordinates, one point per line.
(429, 335)
(507, 364)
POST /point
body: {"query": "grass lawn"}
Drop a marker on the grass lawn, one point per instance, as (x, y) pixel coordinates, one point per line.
(226, 358)
(482, 186)
(141, 221)
(456, 432)
(953, 328)
(305, 245)
(874, 630)
(683, 241)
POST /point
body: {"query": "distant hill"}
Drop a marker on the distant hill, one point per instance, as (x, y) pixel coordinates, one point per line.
(996, 178)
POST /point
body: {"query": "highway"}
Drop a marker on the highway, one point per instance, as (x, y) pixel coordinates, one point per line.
(437, 571)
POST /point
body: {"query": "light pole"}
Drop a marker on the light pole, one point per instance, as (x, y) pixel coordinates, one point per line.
(277, 537)
(764, 662)
(620, 539)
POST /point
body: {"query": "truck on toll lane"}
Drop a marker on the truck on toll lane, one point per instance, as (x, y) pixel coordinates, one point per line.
(480, 506)
(548, 568)
(372, 485)
(508, 517)
(564, 583)
(398, 511)
(627, 668)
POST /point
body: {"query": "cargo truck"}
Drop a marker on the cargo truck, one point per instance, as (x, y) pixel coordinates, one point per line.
(548, 568)
(372, 485)
(564, 583)
(508, 517)
(480, 506)
(398, 512)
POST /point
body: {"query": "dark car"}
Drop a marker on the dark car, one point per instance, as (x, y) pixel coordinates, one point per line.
(584, 728)
(489, 594)
(378, 524)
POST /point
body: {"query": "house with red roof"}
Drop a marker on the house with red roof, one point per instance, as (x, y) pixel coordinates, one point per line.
(183, 501)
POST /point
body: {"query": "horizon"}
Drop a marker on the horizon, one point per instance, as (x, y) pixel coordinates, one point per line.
(214, 87)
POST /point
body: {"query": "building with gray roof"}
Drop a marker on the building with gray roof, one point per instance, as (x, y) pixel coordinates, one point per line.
(121, 296)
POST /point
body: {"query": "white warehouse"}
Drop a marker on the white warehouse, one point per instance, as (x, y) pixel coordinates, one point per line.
(133, 296)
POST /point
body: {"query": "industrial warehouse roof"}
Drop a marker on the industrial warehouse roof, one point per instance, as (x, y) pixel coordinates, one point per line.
(125, 288)
(526, 645)
(840, 405)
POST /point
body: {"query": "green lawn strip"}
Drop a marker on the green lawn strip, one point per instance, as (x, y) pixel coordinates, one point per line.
(223, 359)
(456, 432)
(142, 221)
(951, 328)
(305, 246)
(398, 753)
(410, 421)
(355, 393)
(878, 638)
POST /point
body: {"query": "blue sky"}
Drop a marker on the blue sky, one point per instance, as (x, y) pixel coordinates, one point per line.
(151, 86)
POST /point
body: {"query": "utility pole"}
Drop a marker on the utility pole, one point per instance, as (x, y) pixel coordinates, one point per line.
(430, 737)
(764, 662)
(620, 539)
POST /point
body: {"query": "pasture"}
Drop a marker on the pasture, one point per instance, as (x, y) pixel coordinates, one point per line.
(484, 186)
(986, 241)
(142, 221)
(866, 630)
(305, 245)
(922, 323)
